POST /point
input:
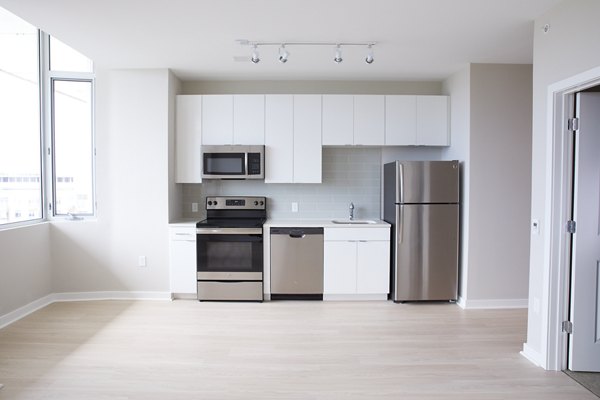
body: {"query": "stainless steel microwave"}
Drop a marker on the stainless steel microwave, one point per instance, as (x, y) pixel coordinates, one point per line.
(233, 162)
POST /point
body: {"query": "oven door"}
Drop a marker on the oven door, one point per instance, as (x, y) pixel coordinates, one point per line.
(229, 254)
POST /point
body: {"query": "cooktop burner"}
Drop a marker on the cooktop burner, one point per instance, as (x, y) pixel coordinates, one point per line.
(234, 212)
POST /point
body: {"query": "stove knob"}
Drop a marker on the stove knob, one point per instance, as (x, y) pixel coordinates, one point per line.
(210, 203)
(255, 202)
(262, 203)
(215, 202)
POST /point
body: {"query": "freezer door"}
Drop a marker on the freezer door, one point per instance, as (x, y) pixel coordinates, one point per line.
(426, 182)
(426, 252)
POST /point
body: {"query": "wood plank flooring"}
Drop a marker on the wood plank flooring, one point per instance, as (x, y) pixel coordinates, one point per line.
(275, 350)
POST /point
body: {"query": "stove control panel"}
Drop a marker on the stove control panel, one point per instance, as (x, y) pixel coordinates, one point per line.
(236, 203)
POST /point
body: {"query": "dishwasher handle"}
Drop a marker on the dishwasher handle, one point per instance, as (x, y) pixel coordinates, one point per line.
(296, 232)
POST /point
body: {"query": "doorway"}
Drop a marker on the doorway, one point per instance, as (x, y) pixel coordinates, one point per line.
(583, 327)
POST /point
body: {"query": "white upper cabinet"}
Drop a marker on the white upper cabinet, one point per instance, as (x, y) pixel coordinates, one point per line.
(416, 121)
(307, 139)
(249, 119)
(188, 134)
(293, 139)
(217, 119)
(369, 114)
(432, 121)
(338, 120)
(400, 120)
(279, 138)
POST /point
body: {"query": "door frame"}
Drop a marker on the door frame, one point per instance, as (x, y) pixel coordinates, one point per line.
(557, 244)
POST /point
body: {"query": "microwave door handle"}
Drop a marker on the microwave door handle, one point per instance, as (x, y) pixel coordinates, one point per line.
(246, 163)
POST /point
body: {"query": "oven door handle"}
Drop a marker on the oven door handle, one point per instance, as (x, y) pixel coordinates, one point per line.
(229, 231)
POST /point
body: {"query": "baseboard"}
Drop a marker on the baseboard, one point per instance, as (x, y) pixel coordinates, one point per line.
(35, 305)
(122, 295)
(533, 356)
(24, 311)
(492, 303)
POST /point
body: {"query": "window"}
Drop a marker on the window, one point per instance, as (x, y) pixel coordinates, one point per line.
(71, 86)
(20, 138)
(66, 133)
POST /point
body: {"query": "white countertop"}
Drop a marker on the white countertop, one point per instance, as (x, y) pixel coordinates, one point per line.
(325, 223)
(184, 222)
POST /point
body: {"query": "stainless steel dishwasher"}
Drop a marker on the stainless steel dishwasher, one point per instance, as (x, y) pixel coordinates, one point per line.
(297, 263)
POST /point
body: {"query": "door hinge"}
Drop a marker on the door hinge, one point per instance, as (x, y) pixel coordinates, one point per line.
(571, 226)
(573, 124)
(567, 326)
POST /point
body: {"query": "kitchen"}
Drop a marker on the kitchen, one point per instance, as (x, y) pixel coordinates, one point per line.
(127, 196)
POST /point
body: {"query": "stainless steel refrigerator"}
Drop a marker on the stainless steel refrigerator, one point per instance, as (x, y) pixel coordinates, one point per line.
(421, 201)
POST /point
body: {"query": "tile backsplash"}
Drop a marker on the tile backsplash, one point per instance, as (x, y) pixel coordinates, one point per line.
(349, 175)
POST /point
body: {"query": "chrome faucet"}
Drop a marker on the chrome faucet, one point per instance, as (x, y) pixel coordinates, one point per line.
(351, 211)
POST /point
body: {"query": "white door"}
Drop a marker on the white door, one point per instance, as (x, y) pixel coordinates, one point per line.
(584, 344)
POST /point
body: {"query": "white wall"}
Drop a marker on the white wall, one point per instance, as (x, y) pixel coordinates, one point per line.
(569, 48)
(458, 88)
(132, 185)
(500, 181)
(25, 266)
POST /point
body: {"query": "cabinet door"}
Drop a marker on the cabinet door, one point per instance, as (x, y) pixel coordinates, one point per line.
(373, 267)
(249, 119)
(338, 120)
(217, 119)
(432, 121)
(369, 117)
(188, 134)
(279, 139)
(183, 264)
(307, 139)
(400, 120)
(339, 267)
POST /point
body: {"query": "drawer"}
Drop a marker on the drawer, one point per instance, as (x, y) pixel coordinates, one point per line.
(233, 291)
(357, 233)
(187, 234)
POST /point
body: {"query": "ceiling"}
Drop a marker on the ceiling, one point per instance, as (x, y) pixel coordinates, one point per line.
(416, 39)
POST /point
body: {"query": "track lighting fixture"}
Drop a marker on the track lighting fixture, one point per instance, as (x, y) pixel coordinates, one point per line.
(369, 59)
(283, 54)
(255, 58)
(338, 55)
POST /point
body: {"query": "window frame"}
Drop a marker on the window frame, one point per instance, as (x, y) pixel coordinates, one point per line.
(48, 78)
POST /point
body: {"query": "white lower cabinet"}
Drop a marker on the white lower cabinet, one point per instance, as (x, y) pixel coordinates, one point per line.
(182, 259)
(356, 262)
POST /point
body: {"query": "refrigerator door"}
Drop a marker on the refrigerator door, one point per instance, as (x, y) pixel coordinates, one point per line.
(414, 182)
(426, 252)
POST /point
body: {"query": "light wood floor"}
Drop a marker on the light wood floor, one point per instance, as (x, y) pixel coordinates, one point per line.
(278, 350)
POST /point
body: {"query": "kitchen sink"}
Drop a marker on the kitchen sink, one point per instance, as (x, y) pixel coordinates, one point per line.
(354, 221)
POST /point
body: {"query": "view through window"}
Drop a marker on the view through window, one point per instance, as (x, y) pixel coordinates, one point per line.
(67, 184)
(20, 146)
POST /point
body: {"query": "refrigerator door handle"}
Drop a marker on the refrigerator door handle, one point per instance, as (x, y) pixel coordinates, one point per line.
(399, 222)
(400, 185)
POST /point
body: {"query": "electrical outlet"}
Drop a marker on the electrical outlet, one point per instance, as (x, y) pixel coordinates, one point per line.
(194, 207)
(294, 207)
(141, 261)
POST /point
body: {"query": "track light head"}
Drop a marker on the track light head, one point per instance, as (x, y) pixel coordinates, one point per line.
(338, 55)
(255, 58)
(369, 59)
(283, 54)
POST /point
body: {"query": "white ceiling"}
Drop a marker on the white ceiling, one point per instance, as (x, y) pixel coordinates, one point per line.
(417, 39)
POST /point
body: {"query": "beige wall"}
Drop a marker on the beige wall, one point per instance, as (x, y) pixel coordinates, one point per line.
(569, 48)
(25, 266)
(500, 181)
